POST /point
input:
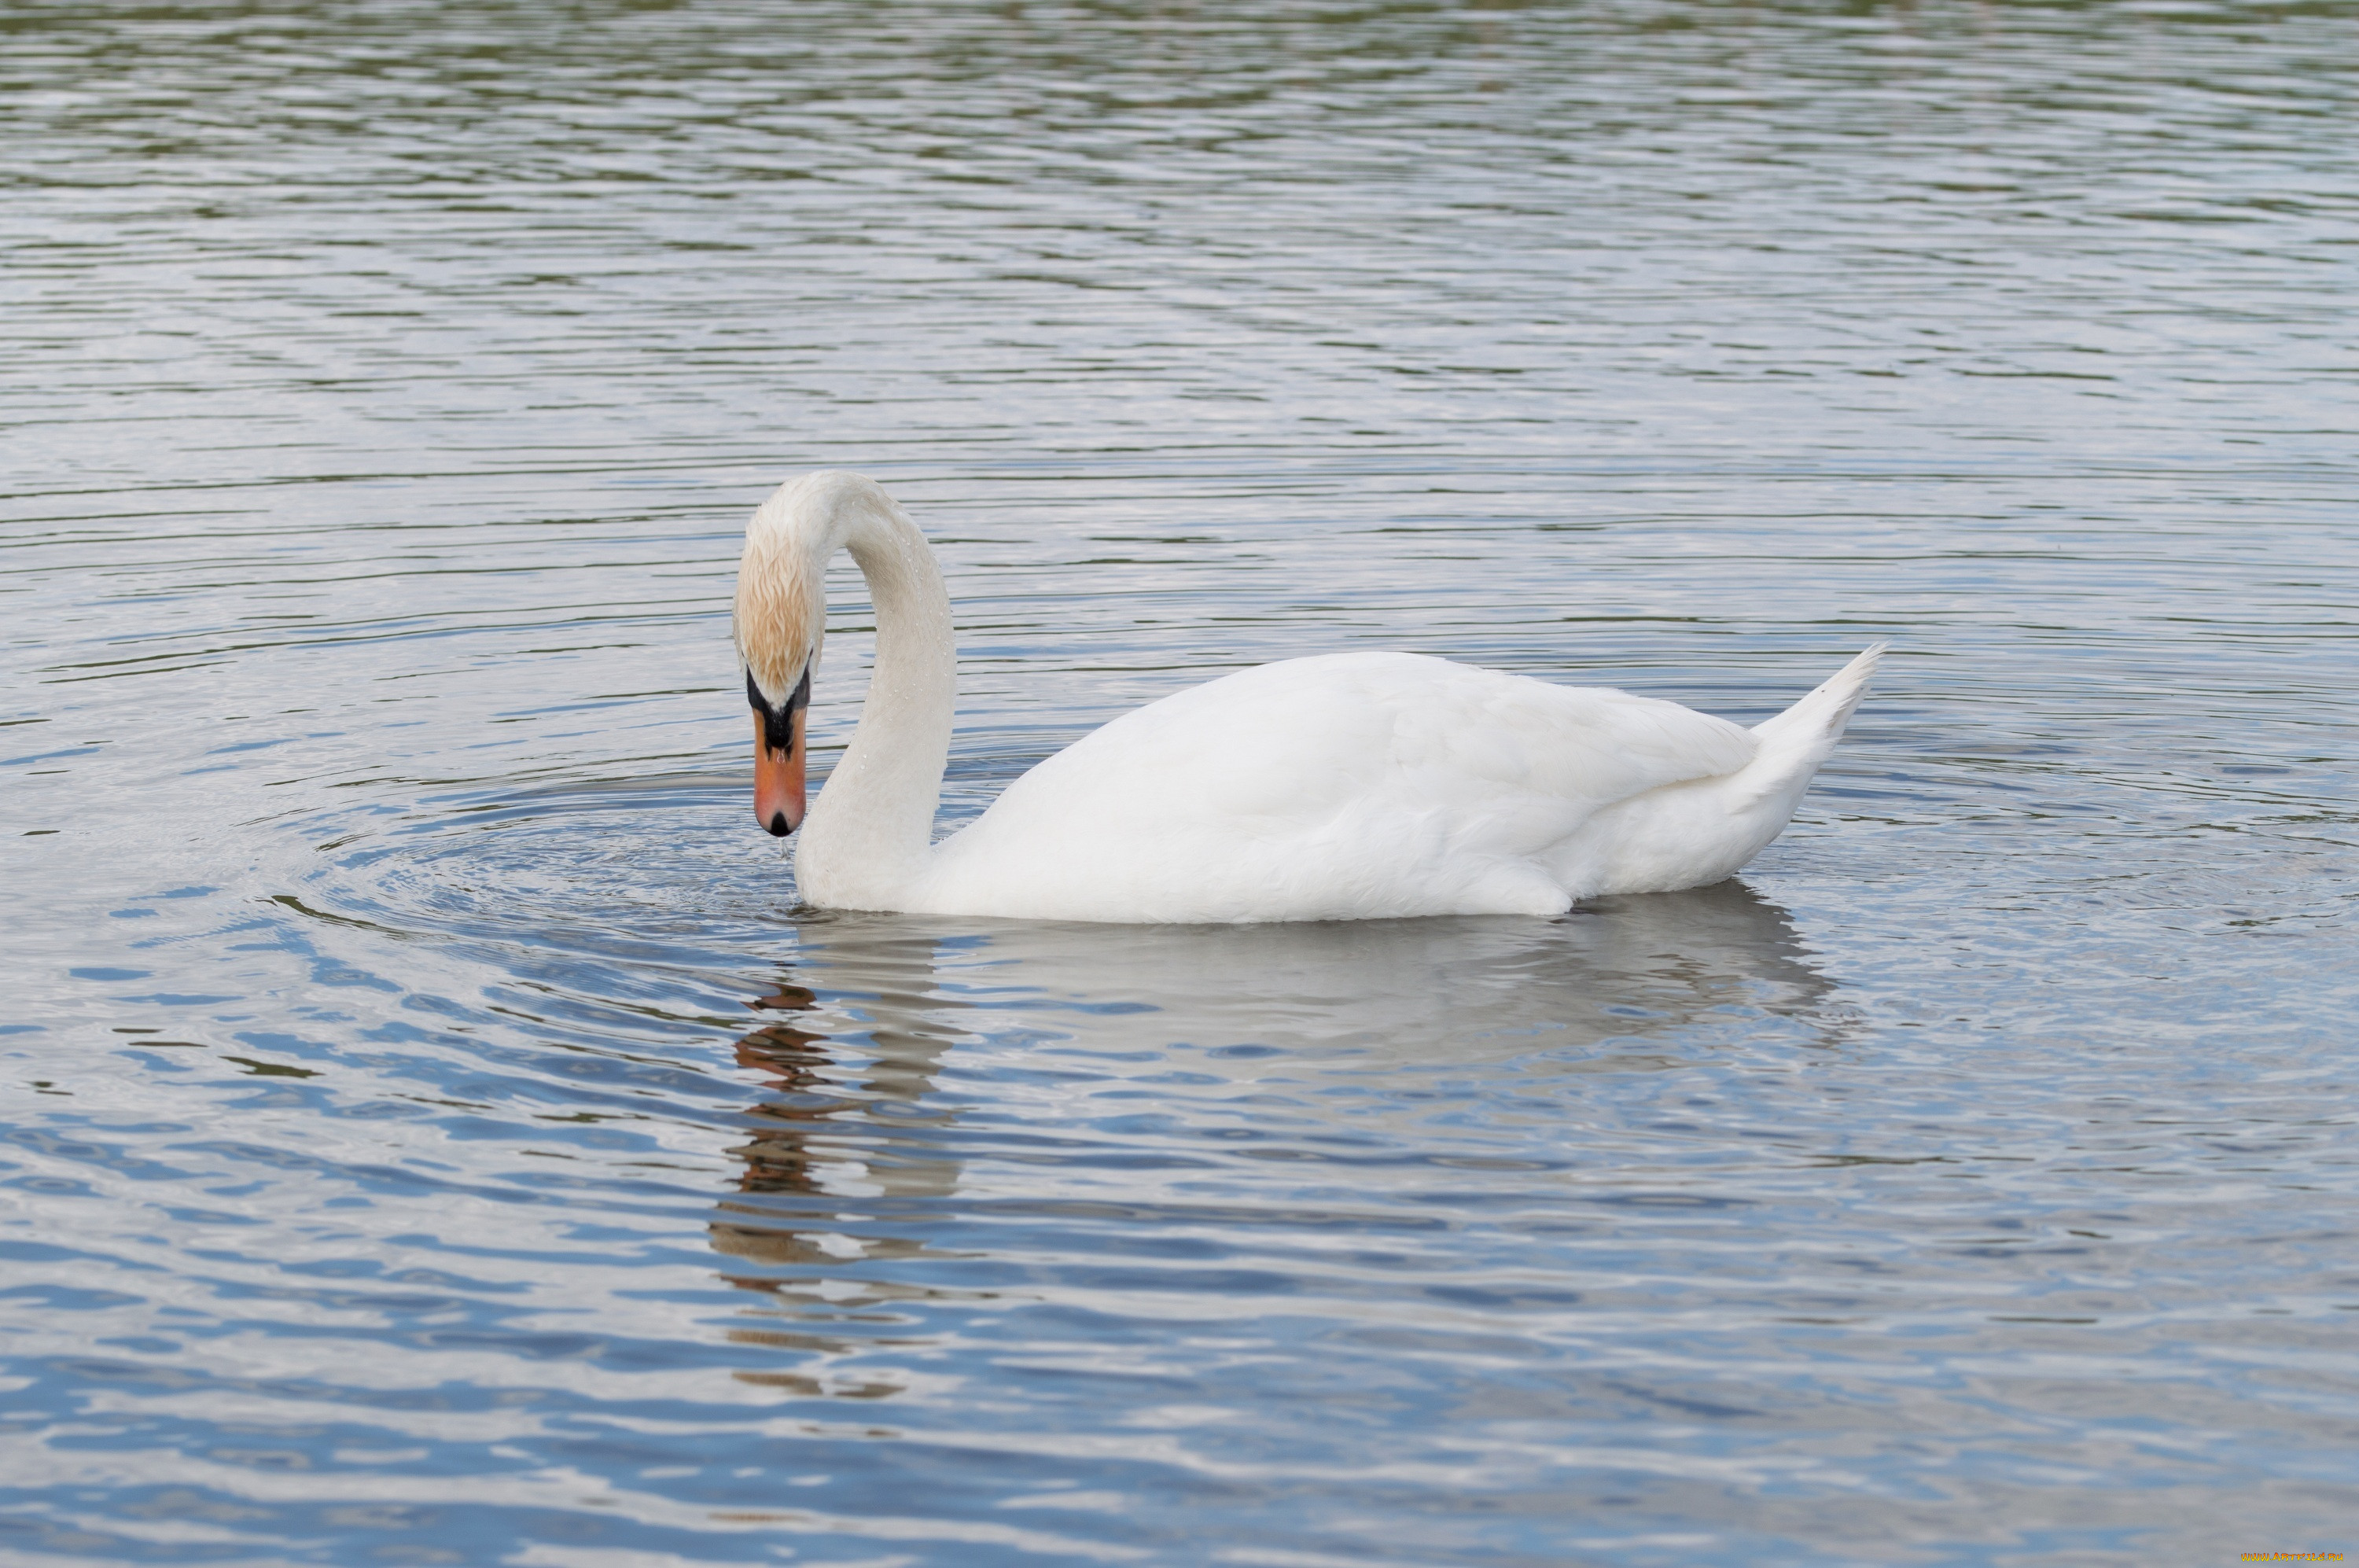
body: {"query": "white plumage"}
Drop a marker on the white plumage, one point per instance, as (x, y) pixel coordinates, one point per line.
(1346, 787)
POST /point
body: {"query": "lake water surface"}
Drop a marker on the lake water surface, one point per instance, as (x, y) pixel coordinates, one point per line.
(436, 1134)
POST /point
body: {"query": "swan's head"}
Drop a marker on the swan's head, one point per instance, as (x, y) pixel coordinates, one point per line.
(781, 618)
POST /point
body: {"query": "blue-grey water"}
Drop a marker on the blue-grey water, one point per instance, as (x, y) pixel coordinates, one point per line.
(436, 1134)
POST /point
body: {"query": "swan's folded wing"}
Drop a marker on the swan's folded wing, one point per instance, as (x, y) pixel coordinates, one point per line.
(1302, 739)
(1342, 787)
(1569, 743)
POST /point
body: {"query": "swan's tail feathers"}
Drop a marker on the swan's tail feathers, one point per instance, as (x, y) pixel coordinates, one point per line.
(1816, 722)
(1795, 742)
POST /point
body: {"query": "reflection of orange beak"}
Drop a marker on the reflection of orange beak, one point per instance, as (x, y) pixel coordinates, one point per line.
(778, 778)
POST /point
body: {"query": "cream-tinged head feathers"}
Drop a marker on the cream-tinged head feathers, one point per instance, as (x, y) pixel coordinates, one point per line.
(781, 613)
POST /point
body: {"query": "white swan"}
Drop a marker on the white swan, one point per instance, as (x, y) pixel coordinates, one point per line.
(1352, 786)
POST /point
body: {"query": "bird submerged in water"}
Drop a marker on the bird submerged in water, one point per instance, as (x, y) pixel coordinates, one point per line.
(1354, 785)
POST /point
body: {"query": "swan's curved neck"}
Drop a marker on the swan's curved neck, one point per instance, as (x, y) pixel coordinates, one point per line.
(866, 840)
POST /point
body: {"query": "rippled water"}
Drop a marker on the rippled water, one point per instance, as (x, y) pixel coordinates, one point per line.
(437, 1135)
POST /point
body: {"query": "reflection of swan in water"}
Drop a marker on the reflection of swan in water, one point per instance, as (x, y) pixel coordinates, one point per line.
(848, 1161)
(1415, 991)
(853, 1122)
(819, 1148)
(815, 1138)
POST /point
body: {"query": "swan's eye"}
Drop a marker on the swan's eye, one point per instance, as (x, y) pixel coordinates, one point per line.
(778, 724)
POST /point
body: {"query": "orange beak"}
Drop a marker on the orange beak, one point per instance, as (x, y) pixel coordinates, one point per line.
(778, 778)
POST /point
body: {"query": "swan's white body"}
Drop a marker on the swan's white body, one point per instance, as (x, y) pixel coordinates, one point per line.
(1349, 787)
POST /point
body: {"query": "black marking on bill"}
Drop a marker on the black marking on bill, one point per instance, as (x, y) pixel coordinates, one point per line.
(778, 724)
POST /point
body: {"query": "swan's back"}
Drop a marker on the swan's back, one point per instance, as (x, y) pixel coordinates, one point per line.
(1347, 786)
